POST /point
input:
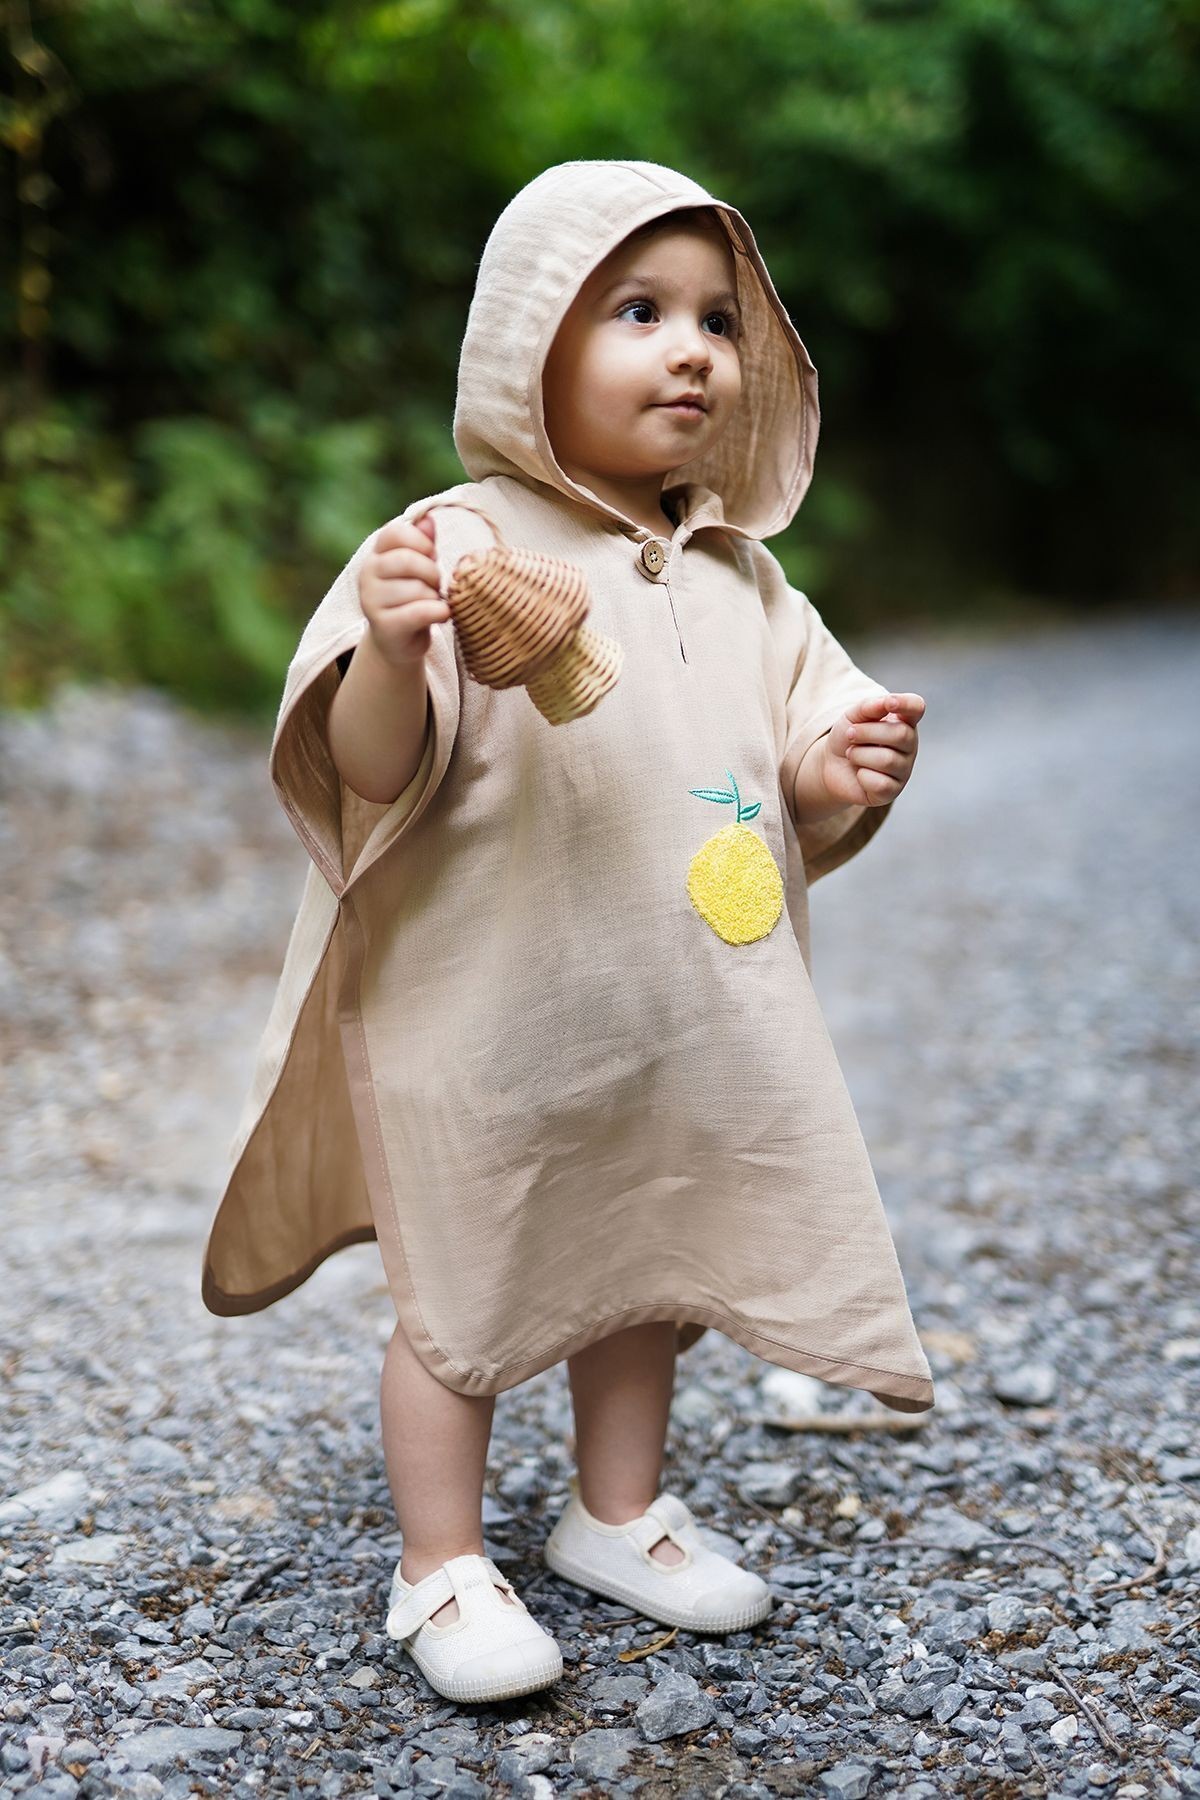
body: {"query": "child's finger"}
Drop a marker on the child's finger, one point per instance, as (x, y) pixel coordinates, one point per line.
(406, 565)
(882, 731)
(910, 706)
(874, 706)
(879, 757)
(404, 534)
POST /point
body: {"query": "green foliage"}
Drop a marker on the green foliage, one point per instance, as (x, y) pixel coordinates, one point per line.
(244, 236)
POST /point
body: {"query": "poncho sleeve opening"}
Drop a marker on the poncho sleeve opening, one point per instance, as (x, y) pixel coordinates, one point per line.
(823, 682)
(343, 833)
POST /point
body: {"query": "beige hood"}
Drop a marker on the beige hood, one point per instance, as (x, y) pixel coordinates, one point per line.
(541, 249)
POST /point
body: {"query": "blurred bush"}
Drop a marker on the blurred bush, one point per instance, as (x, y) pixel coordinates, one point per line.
(241, 238)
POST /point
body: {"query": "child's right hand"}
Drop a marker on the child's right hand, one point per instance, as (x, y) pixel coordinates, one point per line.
(398, 587)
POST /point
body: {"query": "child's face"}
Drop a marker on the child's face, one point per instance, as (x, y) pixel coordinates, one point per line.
(658, 318)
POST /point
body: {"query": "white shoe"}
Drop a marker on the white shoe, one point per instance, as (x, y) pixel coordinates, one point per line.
(493, 1650)
(704, 1592)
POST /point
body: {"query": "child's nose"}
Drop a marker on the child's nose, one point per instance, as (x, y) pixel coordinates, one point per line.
(691, 349)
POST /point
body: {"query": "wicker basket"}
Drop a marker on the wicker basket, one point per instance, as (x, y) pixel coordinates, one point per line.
(519, 616)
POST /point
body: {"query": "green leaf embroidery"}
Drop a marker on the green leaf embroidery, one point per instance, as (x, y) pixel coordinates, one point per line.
(724, 799)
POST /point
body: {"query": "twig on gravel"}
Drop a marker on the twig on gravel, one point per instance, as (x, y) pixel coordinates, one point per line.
(1135, 1701)
(845, 1422)
(1186, 1625)
(259, 1581)
(807, 1538)
(1155, 1569)
(1064, 1556)
(1097, 1724)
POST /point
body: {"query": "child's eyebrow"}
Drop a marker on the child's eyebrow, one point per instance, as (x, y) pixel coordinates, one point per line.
(655, 281)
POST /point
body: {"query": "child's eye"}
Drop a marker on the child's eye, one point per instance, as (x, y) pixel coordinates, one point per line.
(729, 320)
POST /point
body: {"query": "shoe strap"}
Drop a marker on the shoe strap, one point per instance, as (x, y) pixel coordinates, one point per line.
(420, 1603)
(668, 1517)
(473, 1575)
(460, 1578)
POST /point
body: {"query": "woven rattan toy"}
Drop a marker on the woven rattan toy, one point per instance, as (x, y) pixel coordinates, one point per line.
(519, 618)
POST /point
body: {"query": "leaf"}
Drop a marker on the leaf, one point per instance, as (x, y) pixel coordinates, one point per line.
(752, 812)
(659, 1643)
(712, 794)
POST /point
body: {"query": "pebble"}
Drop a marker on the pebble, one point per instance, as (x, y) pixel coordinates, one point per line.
(57, 1501)
(848, 1781)
(1028, 1384)
(675, 1704)
(602, 1755)
(770, 1483)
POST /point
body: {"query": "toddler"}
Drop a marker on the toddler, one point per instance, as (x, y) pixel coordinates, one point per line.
(545, 1027)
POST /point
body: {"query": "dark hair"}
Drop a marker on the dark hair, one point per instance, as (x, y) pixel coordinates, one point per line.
(707, 217)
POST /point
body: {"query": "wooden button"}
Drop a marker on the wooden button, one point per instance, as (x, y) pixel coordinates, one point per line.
(652, 557)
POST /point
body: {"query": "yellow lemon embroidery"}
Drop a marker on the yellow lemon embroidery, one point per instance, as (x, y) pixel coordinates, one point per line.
(733, 881)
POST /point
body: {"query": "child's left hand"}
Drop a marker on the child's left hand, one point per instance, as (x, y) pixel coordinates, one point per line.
(870, 751)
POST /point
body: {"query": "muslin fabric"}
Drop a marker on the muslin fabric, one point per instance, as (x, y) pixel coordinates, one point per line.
(505, 1041)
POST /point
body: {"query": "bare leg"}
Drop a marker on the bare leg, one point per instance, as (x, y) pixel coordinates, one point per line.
(621, 1392)
(435, 1444)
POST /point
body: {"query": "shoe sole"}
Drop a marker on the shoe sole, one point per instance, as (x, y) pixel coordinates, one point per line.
(666, 1615)
(527, 1682)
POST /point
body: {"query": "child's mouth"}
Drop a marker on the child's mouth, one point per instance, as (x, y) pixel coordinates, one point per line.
(684, 409)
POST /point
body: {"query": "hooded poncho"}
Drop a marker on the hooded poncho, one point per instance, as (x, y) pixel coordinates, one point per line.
(518, 1036)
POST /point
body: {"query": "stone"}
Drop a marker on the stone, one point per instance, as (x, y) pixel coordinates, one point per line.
(787, 1394)
(770, 1483)
(528, 1754)
(945, 1528)
(1126, 1622)
(104, 1547)
(155, 1456)
(919, 1698)
(57, 1785)
(1006, 1613)
(161, 1745)
(458, 1741)
(1179, 1468)
(137, 1784)
(521, 1484)
(59, 1501)
(950, 1701)
(694, 1407)
(612, 1693)
(600, 1755)
(1014, 1746)
(79, 1750)
(198, 1621)
(1025, 1384)
(674, 1705)
(847, 1781)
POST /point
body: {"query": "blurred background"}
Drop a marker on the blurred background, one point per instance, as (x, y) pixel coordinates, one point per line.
(239, 239)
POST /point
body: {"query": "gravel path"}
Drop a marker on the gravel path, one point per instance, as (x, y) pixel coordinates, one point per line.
(1000, 1599)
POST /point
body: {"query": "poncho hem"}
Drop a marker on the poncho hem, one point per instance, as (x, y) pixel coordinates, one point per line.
(230, 1306)
(908, 1393)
